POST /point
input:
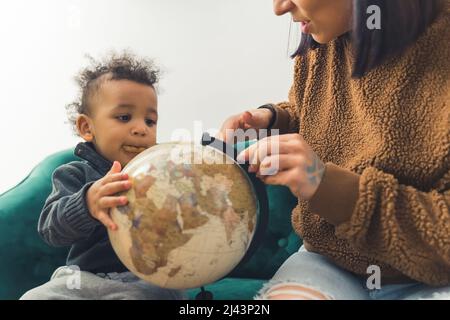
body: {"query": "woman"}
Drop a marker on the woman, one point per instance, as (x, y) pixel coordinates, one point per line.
(365, 146)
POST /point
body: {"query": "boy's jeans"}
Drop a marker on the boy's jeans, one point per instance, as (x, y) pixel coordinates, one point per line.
(68, 282)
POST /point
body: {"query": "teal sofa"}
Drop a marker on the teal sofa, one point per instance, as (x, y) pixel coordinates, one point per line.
(26, 261)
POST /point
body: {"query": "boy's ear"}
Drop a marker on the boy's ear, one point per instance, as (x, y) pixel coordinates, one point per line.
(84, 127)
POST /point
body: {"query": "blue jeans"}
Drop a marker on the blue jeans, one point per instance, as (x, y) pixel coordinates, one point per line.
(318, 273)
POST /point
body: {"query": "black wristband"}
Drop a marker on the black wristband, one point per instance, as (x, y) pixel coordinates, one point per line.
(271, 107)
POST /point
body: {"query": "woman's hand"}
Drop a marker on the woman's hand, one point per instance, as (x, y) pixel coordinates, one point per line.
(252, 119)
(286, 160)
(101, 196)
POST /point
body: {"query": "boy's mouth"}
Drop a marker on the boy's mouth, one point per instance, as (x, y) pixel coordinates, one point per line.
(133, 149)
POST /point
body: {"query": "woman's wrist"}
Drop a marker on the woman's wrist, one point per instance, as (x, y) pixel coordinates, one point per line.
(280, 119)
(336, 195)
(273, 117)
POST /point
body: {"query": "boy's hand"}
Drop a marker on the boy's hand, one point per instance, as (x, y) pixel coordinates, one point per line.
(101, 195)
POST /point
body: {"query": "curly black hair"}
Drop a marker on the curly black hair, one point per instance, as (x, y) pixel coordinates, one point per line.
(114, 66)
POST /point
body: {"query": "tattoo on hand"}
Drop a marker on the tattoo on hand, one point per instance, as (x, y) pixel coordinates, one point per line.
(314, 172)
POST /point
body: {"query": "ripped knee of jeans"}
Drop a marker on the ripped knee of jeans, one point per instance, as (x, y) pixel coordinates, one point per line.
(291, 291)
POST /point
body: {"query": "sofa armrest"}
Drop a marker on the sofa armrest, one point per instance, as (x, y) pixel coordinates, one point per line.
(26, 261)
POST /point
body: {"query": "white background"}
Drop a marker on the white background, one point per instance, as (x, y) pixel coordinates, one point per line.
(220, 57)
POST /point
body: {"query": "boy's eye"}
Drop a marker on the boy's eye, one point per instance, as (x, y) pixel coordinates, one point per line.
(124, 118)
(150, 122)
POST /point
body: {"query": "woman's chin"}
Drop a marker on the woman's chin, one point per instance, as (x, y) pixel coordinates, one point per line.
(319, 38)
(325, 38)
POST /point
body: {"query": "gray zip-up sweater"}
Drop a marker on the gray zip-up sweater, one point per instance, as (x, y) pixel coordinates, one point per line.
(65, 219)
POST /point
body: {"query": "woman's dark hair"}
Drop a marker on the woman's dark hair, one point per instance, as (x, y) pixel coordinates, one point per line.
(115, 66)
(402, 22)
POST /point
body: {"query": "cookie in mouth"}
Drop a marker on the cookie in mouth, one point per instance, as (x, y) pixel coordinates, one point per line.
(133, 149)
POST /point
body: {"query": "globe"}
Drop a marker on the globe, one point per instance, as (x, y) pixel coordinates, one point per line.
(190, 217)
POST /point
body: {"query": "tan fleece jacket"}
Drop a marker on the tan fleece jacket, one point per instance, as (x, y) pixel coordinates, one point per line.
(385, 139)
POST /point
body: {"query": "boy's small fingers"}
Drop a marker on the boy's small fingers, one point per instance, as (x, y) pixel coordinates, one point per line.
(115, 187)
(111, 202)
(116, 167)
(106, 220)
(114, 177)
(111, 170)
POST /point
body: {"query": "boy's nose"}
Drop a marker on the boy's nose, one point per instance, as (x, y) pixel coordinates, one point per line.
(281, 7)
(139, 130)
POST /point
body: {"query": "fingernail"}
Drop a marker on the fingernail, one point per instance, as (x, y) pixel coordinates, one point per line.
(269, 171)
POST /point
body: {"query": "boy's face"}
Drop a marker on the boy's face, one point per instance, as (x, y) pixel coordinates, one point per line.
(122, 121)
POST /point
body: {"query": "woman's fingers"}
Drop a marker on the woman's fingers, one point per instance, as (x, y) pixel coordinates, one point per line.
(247, 120)
(257, 119)
(239, 128)
(252, 119)
(230, 124)
(255, 153)
(291, 178)
(281, 178)
(106, 220)
(273, 164)
(301, 175)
